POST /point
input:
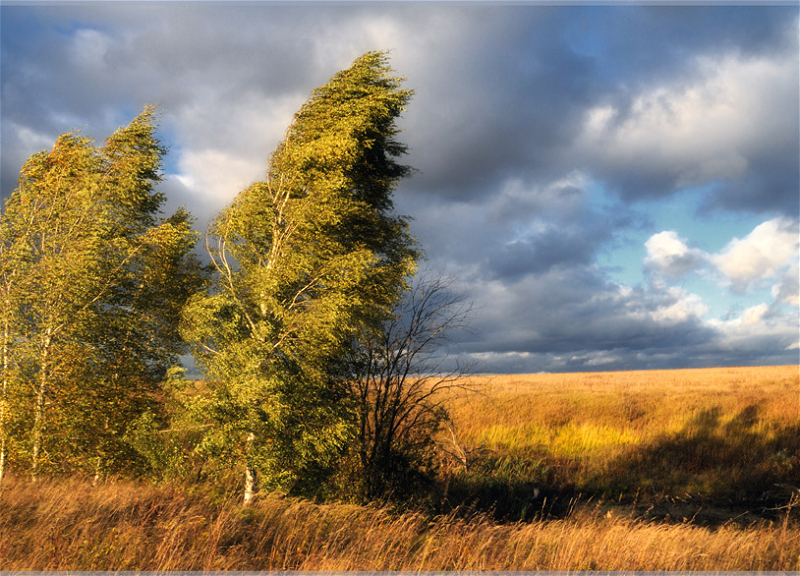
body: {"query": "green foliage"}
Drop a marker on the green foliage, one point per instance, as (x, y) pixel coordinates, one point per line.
(93, 283)
(304, 261)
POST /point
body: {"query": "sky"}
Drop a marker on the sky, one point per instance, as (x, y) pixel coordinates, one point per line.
(612, 187)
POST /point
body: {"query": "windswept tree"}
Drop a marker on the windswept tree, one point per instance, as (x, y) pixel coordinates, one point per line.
(304, 261)
(93, 280)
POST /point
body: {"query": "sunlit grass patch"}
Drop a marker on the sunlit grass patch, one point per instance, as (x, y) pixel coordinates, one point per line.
(505, 437)
(712, 433)
(587, 440)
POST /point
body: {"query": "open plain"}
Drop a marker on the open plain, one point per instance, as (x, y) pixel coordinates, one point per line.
(661, 470)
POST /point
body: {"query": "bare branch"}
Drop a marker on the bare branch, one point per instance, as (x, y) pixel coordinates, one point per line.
(402, 375)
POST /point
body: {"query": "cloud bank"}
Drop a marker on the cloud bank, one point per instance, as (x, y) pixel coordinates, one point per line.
(614, 187)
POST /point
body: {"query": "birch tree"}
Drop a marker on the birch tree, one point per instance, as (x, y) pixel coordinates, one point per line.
(10, 268)
(303, 260)
(81, 237)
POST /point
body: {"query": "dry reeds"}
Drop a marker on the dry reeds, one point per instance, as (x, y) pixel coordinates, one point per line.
(60, 525)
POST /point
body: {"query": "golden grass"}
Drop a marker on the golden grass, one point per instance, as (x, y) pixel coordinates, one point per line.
(69, 525)
(716, 434)
(607, 429)
(647, 401)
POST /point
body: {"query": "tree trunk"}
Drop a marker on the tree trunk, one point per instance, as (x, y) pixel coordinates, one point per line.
(96, 478)
(41, 392)
(250, 479)
(250, 484)
(98, 459)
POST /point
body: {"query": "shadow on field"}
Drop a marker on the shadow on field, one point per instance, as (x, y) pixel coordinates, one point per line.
(712, 470)
(516, 486)
(741, 463)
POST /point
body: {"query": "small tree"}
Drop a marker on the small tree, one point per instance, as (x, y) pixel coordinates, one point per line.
(303, 260)
(400, 375)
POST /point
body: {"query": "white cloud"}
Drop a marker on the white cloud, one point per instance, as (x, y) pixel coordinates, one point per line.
(788, 288)
(767, 252)
(250, 127)
(702, 129)
(758, 328)
(89, 48)
(668, 253)
(597, 359)
(683, 307)
(215, 176)
(228, 147)
(754, 314)
(30, 139)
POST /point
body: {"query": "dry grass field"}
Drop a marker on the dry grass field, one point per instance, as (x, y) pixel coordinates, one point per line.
(707, 437)
(69, 525)
(674, 470)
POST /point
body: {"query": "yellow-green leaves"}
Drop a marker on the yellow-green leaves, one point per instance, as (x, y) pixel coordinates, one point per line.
(94, 282)
(304, 261)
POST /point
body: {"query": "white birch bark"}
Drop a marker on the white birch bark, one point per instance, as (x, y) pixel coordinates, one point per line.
(4, 398)
(41, 394)
(250, 482)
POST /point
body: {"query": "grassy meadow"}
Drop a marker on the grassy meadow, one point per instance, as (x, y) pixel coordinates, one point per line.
(662, 470)
(678, 441)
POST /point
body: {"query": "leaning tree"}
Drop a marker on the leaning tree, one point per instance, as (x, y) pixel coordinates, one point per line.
(304, 260)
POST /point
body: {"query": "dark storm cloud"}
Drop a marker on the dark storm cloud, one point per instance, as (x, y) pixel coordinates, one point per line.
(773, 182)
(703, 58)
(499, 105)
(520, 114)
(637, 44)
(522, 228)
(514, 104)
(536, 322)
(500, 93)
(592, 315)
(540, 252)
(551, 239)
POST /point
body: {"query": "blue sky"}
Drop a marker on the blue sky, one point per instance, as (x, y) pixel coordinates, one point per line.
(613, 187)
